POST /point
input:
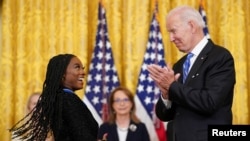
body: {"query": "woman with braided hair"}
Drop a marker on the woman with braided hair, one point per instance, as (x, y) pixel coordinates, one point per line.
(59, 110)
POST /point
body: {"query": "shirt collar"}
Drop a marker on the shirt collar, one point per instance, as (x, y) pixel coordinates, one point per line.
(197, 49)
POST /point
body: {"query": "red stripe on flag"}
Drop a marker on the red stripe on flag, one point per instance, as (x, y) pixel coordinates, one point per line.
(160, 130)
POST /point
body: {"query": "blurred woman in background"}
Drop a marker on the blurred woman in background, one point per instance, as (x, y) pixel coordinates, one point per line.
(123, 124)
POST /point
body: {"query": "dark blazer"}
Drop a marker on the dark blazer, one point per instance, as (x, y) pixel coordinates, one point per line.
(78, 123)
(205, 98)
(140, 133)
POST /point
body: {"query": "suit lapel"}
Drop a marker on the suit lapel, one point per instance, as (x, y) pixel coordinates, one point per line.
(199, 61)
(131, 135)
(114, 132)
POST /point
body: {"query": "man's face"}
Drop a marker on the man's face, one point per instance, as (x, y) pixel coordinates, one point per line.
(180, 33)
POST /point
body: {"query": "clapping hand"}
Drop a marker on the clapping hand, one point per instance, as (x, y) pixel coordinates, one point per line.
(163, 77)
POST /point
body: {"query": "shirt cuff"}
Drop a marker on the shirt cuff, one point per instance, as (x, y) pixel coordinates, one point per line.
(167, 102)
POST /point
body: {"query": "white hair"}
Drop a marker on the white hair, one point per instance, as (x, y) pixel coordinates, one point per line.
(188, 13)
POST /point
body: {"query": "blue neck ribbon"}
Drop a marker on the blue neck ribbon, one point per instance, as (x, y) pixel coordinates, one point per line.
(68, 90)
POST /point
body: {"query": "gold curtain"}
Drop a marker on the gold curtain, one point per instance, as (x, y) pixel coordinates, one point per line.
(32, 31)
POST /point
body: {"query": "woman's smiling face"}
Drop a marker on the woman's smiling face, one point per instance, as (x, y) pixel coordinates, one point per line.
(74, 75)
(122, 104)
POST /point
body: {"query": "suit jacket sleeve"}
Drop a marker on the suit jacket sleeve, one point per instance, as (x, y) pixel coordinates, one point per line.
(162, 112)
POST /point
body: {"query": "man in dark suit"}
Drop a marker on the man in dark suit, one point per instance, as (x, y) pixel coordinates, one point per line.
(206, 96)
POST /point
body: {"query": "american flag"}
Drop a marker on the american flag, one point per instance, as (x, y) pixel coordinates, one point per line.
(102, 76)
(147, 93)
(203, 14)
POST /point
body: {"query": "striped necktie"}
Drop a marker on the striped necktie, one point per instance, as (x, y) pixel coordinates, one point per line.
(186, 66)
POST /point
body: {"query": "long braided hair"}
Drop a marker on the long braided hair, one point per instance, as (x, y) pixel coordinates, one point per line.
(47, 115)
